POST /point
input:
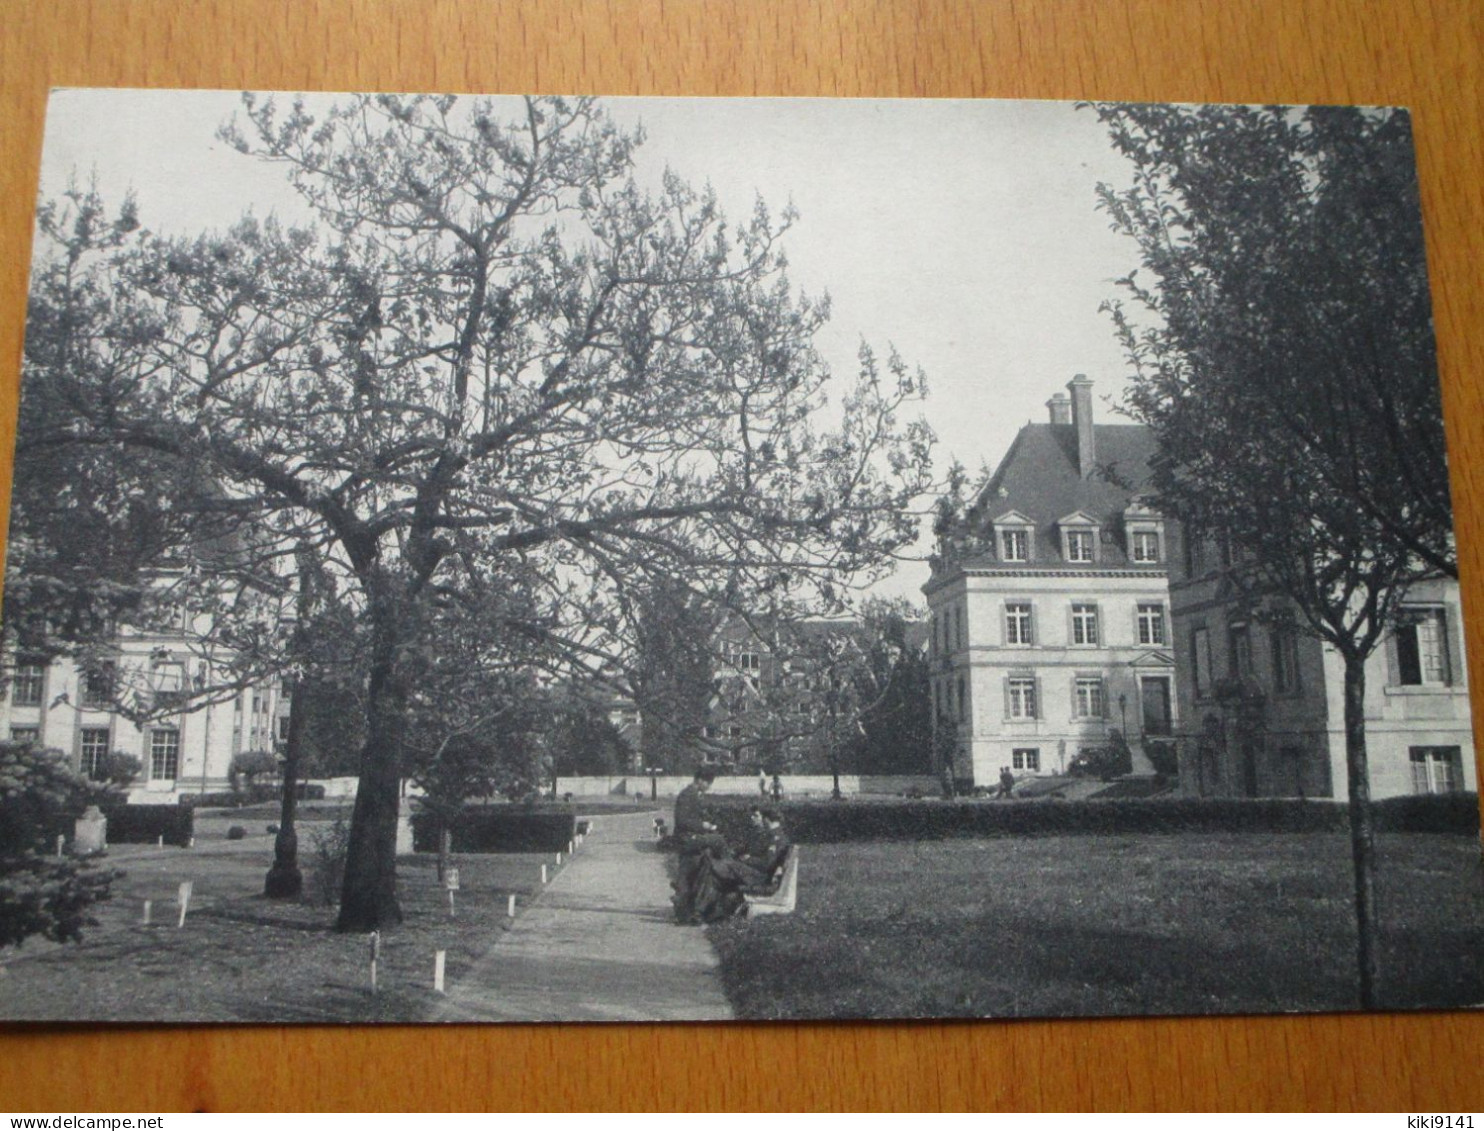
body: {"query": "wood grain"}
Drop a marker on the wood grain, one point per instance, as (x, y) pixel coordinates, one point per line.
(1423, 53)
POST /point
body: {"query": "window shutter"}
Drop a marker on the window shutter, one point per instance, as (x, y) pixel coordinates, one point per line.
(1135, 637)
(1005, 683)
(1456, 661)
(1040, 711)
(1393, 661)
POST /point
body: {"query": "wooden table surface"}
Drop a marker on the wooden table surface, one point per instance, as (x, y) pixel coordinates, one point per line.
(1421, 53)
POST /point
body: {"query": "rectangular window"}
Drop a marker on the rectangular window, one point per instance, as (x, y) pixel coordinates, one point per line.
(95, 744)
(98, 686)
(25, 734)
(1436, 769)
(1014, 545)
(1146, 546)
(1022, 694)
(28, 684)
(1285, 661)
(1089, 697)
(1239, 643)
(1151, 624)
(1195, 551)
(1029, 759)
(1079, 545)
(963, 701)
(963, 627)
(1084, 624)
(1422, 648)
(1018, 628)
(164, 754)
(1200, 661)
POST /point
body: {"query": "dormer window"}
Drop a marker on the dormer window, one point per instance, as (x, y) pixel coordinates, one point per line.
(1144, 530)
(1079, 538)
(1014, 537)
(1145, 545)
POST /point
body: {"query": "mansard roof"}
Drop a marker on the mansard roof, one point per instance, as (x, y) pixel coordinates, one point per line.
(1039, 478)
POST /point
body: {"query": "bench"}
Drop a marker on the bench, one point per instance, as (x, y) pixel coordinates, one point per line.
(781, 902)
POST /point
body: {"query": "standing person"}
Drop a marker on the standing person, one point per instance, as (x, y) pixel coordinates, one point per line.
(777, 787)
(697, 838)
(1007, 782)
(762, 783)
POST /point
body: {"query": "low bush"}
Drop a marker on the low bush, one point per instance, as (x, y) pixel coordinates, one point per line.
(1429, 813)
(236, 832)
(328, 848)
(823, 822)
(145, 824)
(499, 828)
(1163, 757)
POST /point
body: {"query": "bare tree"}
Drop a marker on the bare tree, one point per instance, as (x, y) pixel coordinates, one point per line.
(502, 368)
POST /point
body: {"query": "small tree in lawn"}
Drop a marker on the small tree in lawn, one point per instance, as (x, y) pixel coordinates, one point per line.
(41, 894)
(501, 366)
(1283, 354)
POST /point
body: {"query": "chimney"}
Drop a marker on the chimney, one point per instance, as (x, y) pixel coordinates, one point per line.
(1081, 389)
(1060, 408)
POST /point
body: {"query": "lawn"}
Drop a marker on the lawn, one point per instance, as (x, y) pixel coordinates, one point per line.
(1116, 925)
(241, 957)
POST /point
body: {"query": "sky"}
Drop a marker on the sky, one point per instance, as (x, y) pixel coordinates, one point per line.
(961, 232)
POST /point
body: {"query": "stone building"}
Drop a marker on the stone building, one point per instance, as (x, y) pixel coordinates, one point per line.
(1049, 600)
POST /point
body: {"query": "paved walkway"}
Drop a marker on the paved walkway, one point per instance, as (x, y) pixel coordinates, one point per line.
(599, 944)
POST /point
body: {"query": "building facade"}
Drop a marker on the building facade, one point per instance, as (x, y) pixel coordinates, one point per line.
(145, 694)
(1263, 703)
(1050, 621)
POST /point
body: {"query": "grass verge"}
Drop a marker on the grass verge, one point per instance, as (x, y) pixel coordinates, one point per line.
(1116, 925)
(243, 958)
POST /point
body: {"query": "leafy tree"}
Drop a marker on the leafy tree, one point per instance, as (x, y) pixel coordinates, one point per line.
(503, 369)
(581, 739)
(1283, 354)
(42, 894)
(892, 687)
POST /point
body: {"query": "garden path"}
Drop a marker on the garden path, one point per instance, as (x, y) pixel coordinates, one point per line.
(598, 944)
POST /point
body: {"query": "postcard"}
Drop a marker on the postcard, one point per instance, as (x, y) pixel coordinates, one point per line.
(644, 559)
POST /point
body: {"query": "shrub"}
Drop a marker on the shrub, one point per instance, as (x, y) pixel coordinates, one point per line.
(248, 765)
(121, 770)
(328, 848)
(1429, 813)
(1163, 758)
(499, 828)
(1106, 762)
(145, 824)
(41, 895)
(236, 832)
(823, 822)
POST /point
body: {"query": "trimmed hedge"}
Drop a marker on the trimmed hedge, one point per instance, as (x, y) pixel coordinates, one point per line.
(144, 824)
(1429, 813)
(824, 822)
(499, 828)
(252, 795)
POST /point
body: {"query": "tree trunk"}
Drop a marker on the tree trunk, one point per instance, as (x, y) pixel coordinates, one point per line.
(285, 881)
(1362, 832)
(368, 899)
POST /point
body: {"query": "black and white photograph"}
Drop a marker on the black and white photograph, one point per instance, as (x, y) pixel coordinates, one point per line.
(585, 559)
